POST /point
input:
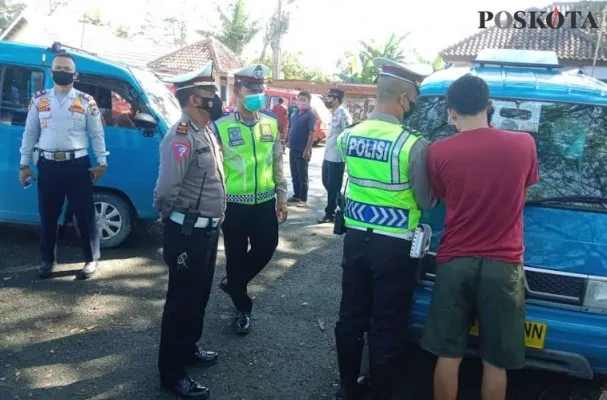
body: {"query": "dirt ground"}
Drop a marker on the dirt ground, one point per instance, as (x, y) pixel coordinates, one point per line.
(66, 339)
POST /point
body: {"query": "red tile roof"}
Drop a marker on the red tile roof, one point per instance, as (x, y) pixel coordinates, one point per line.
(570, 44)
(196, 55)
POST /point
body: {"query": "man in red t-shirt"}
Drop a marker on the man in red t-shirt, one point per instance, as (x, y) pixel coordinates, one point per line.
(281, 112)
(482, 174)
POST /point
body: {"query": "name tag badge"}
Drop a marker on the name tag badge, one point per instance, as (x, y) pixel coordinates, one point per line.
(203, 150)
(235, 136)
(266, 133)
(44, 105)
(76, 109)
(370, 149)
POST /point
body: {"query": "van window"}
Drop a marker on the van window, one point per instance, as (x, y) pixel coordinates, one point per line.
(118, 102)
(18, 87)
(571, 140)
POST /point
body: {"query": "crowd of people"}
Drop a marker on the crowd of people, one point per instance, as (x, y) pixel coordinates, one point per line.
(223, 173)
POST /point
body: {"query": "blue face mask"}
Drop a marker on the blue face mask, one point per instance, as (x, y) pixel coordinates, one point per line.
(254, 102)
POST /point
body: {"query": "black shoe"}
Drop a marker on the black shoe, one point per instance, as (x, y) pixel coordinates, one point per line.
(188, 387)
(204, 358)
(88, 270)
(242, 323)
(46, 270)
(293, 199)
(326, 219)
(223, 285)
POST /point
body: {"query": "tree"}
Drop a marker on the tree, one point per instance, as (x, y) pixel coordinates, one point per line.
(177, 30)
(122, 32)
(9, 10)
(93, 18)
(54, 5)
(358, 67)
(292, 68)
(276, 28)
(236, 27)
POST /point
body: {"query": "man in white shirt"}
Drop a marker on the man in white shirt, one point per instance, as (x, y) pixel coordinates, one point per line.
(333, 165)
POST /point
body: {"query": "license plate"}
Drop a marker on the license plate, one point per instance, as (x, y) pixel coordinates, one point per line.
(535, 333)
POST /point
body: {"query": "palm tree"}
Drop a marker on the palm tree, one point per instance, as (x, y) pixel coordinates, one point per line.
(236, 27)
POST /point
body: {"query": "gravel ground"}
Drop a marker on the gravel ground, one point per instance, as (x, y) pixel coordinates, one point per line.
(66, 339)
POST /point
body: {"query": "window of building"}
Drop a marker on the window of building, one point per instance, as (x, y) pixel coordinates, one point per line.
(224, 93)
(18, 87)
(571, 141)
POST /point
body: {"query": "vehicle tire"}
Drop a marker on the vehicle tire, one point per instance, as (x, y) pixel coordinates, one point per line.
(114, 219)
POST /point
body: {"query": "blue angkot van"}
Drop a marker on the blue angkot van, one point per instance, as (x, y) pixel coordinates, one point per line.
(125, 192)
(565, 217)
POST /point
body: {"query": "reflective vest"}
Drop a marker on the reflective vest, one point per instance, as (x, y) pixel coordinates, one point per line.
(248, 158)
(379, 195)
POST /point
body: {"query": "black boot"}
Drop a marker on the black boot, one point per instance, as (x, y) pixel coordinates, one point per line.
(349, 359)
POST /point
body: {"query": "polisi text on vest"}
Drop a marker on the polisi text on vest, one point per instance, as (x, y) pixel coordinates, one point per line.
(372, 149)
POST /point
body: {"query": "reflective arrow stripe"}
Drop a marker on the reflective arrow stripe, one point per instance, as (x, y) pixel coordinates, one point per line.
(377, 215)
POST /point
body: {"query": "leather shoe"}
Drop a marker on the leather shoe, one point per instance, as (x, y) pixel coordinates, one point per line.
(46, 270)
(204, 358)
(242, 323)
(188, 387)
(326, 219)
(88, 270)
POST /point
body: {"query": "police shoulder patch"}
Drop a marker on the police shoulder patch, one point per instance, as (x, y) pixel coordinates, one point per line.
(39, 94)
(182, 129)
(85, 96)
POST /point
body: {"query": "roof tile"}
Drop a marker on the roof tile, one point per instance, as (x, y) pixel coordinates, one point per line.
(576, 44)
(197, 55)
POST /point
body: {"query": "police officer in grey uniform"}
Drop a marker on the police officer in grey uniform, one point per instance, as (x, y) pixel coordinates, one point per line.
(191, 199)
(58, 121)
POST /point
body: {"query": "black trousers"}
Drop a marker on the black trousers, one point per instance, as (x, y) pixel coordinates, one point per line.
(377, 288)
(244, 225)
(299, 174)
(56, 181)
(191, 261)
(332, 179)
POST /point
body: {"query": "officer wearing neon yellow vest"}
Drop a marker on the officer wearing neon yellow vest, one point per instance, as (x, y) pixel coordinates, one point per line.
(388, 186)
(256, 188)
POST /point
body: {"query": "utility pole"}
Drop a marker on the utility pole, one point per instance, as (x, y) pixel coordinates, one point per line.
(277, 36)
(598, 42)
(83, 27)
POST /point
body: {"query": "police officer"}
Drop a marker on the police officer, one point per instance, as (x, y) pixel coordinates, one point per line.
(256, 188)
(190, 198)
(388, 185)
(58, 120)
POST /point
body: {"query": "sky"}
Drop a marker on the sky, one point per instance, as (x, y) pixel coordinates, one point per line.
(323, 30)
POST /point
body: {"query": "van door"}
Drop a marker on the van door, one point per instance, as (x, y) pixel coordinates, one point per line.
(18, 84)
(133, 160)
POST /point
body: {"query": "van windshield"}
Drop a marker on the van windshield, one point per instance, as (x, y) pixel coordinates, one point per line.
(163, 101)
(571, 141)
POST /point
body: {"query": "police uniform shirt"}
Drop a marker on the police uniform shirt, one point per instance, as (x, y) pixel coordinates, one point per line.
(419, 176)
(278, 174)
(187, 152)
(60, 123)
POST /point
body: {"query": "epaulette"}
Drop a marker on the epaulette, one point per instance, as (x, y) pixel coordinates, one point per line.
(268, 113)
(40, 93)
(182, 129)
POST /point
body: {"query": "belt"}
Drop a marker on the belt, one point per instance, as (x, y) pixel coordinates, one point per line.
(63, 155)
(201, 222)
(408, 235)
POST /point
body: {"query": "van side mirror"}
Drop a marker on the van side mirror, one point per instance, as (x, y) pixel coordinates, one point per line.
(145, 122)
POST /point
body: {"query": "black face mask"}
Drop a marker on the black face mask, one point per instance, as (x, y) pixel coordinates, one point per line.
(63, 78)
(213, 106)
(328, 103)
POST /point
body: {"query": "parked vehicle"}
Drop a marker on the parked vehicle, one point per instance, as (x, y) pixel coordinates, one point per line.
(565, 217)
(124, 194)
(323, 115)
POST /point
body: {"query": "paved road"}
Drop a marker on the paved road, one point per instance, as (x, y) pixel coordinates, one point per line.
(66, 339)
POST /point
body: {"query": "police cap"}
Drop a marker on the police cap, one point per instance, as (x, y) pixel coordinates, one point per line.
(252, 76)
(412, 73)
(203, 78)
(335, 92)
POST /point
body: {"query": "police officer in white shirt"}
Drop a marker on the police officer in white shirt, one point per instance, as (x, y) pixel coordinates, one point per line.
(190, 197)
(58, 121)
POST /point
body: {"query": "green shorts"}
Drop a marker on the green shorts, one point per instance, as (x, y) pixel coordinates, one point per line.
(471, 287)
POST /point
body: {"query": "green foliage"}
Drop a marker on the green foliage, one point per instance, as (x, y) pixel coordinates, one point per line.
(292, 68)
(93, 18)
(9, 10)
(358, 67)
(236, 27)
(122, 31)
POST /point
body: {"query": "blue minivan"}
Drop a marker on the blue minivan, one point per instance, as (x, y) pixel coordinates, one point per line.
(124, 194)
(566, 212)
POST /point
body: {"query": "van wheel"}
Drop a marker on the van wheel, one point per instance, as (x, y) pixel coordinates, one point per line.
(114, 219)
